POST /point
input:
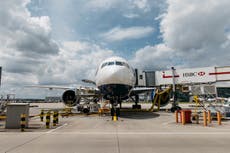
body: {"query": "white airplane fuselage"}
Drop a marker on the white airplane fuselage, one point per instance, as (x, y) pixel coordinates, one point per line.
(115, 78)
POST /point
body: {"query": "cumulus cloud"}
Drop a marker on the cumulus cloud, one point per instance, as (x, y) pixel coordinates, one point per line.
(198, 31)
(142, 4)
(131, 15)
(156, 57)
(193, 33)
(119, 34)
(129, 4)
(25, 34)
(23, 39)
(25, 43)
(75, 61)
(102, 4)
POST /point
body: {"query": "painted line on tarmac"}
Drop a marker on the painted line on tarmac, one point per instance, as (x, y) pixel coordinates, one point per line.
(50, 131)
(141, 133)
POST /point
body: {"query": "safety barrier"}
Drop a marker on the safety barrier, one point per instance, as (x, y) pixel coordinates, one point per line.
(185, 116)
(48, 120)
(42, 115)
(55, 118)
(219, 117)
(207, 118)
(23, 122)
(114, 117)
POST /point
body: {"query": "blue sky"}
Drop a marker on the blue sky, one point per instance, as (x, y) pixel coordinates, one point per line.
(78, 20)
(62, 42)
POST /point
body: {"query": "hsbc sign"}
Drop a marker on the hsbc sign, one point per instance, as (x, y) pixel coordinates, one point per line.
(185, 76)
(194, 74)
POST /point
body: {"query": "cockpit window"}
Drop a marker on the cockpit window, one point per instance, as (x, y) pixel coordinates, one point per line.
(115, 63)
(107, 63)
(110, 63)
(119, 63)
(122, 64)
(126, 65)
(103, 65)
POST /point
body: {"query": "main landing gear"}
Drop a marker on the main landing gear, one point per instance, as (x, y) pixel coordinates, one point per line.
(136, 106)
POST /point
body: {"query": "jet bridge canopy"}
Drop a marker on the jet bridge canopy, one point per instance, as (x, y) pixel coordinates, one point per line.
(194, 75)
(184, 76)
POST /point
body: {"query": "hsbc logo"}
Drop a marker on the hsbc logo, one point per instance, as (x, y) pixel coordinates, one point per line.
(194, 74)
(201, 73)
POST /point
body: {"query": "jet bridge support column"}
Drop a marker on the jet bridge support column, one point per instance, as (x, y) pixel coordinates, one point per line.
(174, 103)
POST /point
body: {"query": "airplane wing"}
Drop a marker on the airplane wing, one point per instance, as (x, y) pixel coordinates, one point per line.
(83, 91)
(49, 87)
(139, 90)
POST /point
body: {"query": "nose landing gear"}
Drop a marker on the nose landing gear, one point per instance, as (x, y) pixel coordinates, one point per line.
(115, 111)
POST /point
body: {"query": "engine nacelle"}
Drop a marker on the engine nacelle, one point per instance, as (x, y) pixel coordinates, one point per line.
(70, 98)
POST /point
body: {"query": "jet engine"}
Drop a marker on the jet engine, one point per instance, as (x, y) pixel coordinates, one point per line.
(70, 98)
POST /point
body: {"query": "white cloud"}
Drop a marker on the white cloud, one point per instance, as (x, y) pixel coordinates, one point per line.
(156, 57)
(75, 61)
(119, 34)
(142, 4)
(197, 30)
(23, 34)
(25, 43)
(102, 4)
(131, 15)
(195, 34)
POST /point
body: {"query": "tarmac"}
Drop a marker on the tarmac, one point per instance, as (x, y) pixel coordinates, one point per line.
(134, 132)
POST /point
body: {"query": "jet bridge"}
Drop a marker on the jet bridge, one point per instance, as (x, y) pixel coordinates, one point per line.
(183, 76)
(194, 75)
(197, 81)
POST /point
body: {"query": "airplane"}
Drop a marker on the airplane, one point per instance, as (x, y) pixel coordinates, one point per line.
(115, 81)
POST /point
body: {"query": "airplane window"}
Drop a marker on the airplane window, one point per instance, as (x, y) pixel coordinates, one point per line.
(110, 63)
(119, 63)
(107, 63)
(141, 77)
(103, 65)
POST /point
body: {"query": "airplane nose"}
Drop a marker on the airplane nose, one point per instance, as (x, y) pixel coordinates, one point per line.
(114, 75)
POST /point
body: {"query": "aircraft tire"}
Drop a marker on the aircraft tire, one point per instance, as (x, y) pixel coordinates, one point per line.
(112, 111)
(118, 111)
(173, 109)
(136, 106)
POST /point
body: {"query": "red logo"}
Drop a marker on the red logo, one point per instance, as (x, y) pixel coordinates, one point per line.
(201, 73)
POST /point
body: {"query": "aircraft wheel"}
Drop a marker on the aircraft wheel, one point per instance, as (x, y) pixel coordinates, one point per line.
(136, 106)
(173, 109)
(178, 108)
(112, 111)
(118, 111)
